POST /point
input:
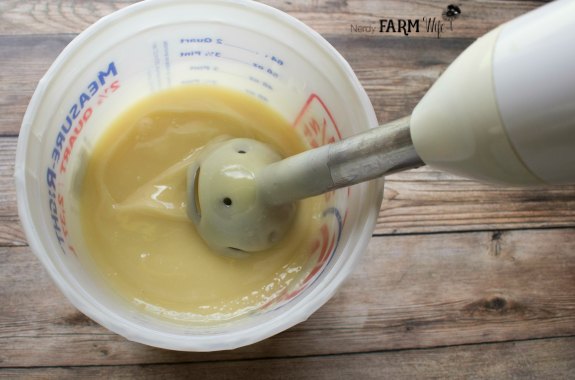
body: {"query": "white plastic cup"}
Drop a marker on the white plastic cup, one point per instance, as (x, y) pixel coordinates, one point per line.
(154, 45)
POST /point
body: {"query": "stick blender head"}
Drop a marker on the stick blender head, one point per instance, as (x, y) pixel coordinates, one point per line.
(224, 203)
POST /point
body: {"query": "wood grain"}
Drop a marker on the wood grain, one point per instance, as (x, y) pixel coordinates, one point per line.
(325, 16)
(540, 359)
(50, 17)
(23, 61)
(425, 200)
(408, 292)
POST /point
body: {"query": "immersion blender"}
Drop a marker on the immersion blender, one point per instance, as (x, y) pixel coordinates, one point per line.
(503, 112)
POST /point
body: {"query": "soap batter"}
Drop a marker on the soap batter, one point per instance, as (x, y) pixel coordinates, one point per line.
(133, 208)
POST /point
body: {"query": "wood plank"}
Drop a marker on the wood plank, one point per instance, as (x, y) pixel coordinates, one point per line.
(8, 207)
(408, 292)
(11, 232)
(49, 17)
(535, 359)
(426, 200)
(23, 61)
(417, 201)
(325, 16)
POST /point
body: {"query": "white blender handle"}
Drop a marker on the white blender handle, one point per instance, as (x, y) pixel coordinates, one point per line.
(504, 110)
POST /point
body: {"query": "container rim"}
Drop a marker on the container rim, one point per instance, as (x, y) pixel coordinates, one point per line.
(300, 311)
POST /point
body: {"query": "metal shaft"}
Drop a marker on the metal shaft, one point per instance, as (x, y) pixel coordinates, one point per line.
(368, 155)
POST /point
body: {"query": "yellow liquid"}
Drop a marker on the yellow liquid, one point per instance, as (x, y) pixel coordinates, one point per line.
(133, 208)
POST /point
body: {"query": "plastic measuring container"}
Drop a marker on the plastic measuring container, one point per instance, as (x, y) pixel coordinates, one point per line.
(154, 45)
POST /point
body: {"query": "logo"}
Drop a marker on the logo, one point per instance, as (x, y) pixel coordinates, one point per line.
(103, 84)
(451, 13)
(434, 25)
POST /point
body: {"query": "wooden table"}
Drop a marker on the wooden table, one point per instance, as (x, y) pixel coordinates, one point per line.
(460, 280)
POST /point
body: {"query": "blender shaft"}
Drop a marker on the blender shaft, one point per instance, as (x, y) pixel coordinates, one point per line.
(368, 155)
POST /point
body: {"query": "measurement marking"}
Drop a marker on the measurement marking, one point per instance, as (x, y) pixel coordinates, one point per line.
(241, 48)
(237, 60)
(233, 74)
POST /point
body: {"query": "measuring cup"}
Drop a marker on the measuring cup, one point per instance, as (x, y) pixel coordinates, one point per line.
(155, 45)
